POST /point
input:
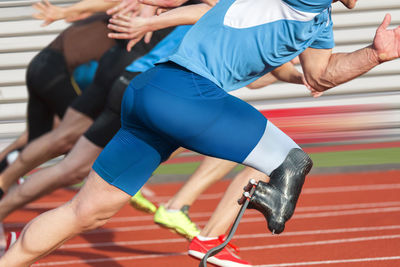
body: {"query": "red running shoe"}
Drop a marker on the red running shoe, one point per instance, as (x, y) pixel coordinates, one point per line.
(11, 238)
(226, 258)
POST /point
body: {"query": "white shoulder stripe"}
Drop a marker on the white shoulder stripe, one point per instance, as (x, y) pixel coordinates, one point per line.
(249, 13)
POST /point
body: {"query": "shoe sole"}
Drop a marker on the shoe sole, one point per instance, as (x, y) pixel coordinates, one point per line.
(215, 261)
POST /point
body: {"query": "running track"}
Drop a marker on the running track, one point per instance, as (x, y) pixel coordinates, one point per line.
(341, 220)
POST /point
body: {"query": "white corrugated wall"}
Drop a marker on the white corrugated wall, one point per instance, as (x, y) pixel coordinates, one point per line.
(21, 37)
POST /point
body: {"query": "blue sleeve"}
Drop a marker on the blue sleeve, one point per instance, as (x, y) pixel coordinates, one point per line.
(325, 38)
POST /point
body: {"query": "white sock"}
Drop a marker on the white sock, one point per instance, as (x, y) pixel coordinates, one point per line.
(205, 238)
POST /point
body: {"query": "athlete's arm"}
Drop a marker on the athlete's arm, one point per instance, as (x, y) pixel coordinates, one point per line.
(127, 6)
(263, 81)
(172, 3)
(133, 5)
(324, 70)
(286, 73)
(134, 28)
(50, 13)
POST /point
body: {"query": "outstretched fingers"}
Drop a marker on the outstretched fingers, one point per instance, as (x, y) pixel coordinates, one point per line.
(119, 31)
(120, 20)
(41, 8)
(47, 12)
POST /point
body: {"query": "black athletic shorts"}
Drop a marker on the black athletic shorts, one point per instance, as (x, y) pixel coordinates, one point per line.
(111, 65)
(108, 122)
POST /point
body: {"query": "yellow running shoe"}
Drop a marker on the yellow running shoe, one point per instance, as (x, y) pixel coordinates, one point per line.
(139, 202)
(177, 221)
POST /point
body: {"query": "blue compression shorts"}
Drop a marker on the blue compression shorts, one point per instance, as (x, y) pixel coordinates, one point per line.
(169, 106)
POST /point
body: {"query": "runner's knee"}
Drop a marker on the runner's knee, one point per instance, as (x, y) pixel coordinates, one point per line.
(88, 216)
(63, 140)
(73, 173)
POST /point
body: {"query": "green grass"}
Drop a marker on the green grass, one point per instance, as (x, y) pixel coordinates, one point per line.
(357, 157)
(179, 168)
(326, 159)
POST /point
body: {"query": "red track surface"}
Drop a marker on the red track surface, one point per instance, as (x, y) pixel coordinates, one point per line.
(341, 220)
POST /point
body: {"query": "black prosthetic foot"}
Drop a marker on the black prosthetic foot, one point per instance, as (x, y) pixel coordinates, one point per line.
(277, 199)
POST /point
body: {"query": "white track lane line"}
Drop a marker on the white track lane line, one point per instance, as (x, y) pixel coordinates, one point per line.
(238, 236)
(250, 220)
(306, 191)
(324, 242)
(350, 188)
(252, 212)
(259, 218)
(323, 231)
(308, 263)
(117, 259)
(348, 206)
(141, 218)
(299, 244)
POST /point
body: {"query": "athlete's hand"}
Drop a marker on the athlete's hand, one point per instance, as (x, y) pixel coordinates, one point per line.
(147, 12)
(129, 28)
(387, 42)
(133, 27)
(48, 12)
(313, 92)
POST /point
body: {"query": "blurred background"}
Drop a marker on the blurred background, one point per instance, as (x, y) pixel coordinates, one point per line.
(355, 126)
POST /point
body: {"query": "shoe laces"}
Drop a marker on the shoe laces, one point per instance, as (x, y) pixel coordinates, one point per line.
(221, 238)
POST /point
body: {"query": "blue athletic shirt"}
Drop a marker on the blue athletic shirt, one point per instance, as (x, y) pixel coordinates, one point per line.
(238, 41)
(163, 49)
